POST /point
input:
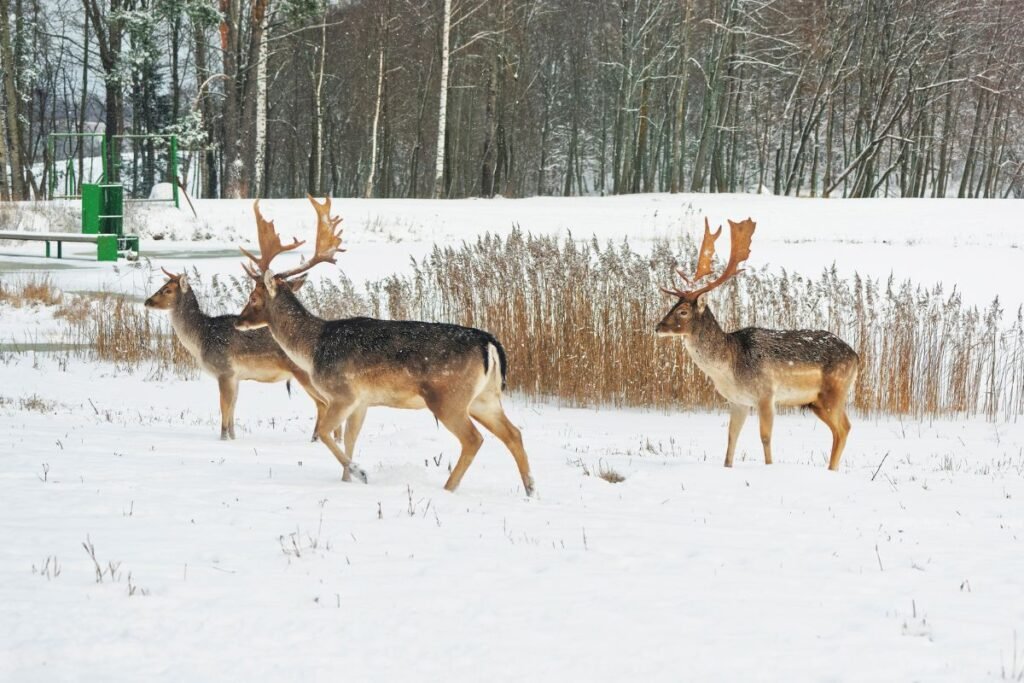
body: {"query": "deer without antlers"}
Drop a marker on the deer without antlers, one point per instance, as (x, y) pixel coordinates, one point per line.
(225, 352)
(759, 368)
(456, 372)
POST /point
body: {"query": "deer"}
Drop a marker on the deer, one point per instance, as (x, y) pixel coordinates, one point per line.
(224, 352)
(457, 373)
(755, 367)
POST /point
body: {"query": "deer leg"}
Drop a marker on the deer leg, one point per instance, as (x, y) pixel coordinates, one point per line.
(737, 417)
(302, 377)
(766, 416)
(352, 427)
(228, 386)
(488, 412)
(839, 424)
(334, 414)
(456, 421)
(321, 406)
(838, 444)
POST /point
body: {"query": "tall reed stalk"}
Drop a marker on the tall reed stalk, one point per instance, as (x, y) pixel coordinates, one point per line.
(577, 320)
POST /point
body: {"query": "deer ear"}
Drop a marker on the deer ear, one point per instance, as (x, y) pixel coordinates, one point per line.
(701, 303)
(183, 283)
(296, 283)
(270, 282)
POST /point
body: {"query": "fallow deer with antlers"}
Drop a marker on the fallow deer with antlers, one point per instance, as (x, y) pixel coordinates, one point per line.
(759, 368)
(225, 352)
(457, 373)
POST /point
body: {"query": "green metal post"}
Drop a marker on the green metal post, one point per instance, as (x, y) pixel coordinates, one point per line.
(53, 160)
(106, 248)
(92, 207)
(112, 214)
(70, 181)
(103, 159)
(172, 162)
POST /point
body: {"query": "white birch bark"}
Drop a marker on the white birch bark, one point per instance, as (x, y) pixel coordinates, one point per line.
(368, 192)
(442, 110)
(259, 157)
(318, 114)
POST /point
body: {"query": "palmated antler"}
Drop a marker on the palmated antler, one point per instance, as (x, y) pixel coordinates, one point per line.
(707, 251)
(328, 238)
(270, 242)
(739, 251)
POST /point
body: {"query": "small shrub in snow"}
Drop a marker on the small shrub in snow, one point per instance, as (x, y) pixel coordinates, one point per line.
(608, 474)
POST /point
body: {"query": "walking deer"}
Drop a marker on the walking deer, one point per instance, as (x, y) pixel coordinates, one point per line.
(758, 368)
(224, 352)
(457, 373)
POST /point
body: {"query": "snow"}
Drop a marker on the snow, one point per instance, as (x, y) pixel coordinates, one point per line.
(250, 560)
(163, 192)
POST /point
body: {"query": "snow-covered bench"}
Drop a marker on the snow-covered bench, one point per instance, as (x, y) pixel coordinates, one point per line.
(108, 247)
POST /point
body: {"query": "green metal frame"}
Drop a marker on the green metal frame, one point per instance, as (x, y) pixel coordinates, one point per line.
(108, 247)
(70, 189)
(102, 208)
(172, 163)
(110, 163)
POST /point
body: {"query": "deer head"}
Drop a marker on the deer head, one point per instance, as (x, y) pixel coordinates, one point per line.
(691, 305)
(167, 296)
(267, 282)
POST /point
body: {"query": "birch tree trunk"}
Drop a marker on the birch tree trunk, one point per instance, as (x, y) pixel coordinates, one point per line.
(675, 167)
(442, 109)
(368, 191)
(316, 157)
(260, 146)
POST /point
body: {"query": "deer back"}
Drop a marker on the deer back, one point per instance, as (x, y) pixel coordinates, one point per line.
(404, 363)
(221, 349)
(751, 364)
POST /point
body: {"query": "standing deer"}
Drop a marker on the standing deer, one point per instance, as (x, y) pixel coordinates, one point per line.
(457, 373)
(759, 368)
(224, 352)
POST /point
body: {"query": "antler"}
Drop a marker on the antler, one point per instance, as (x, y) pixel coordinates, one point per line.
(173, 276)
(707, 251)
(328, 240)
(739, 251)
(704, 261)
(270, 241)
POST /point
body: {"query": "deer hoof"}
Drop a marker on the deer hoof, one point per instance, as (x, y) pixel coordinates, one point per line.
(357, 472)
(531, 489)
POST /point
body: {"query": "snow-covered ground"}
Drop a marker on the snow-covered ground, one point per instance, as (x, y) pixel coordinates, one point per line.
(250, 560)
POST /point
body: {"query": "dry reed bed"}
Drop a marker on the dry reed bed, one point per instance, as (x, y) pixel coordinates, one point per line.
(577, 320)
(103, 326)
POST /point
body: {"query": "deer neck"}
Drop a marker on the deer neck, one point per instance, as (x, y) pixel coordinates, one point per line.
(295, 329)
(709, 346)
(188, 321)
